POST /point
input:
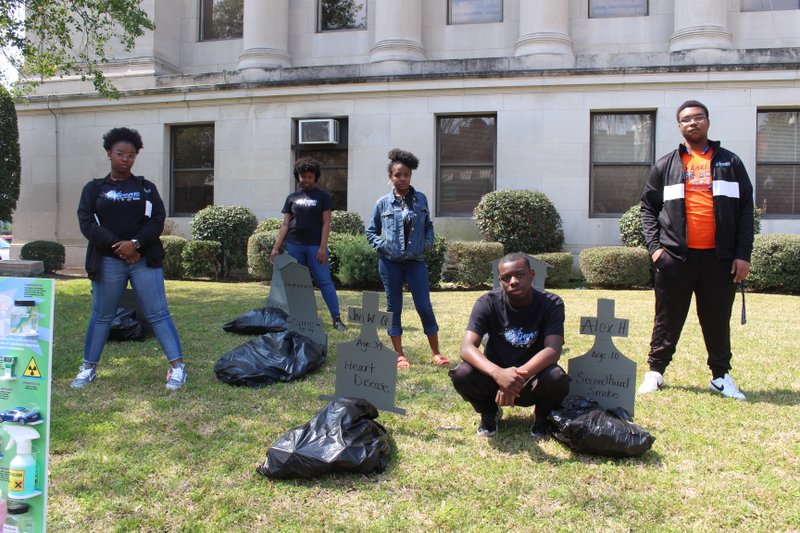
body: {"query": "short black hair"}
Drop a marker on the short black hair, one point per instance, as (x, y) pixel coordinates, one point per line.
(396, 155)
(690, 103)
(514, 257)
(307, 164)
(127, 135)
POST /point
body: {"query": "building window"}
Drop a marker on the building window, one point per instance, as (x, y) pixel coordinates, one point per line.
(769, 5)
(336, 15)
(221, 19)
(617, 8)
(332, 159)
(778, 163)
(466, 159)
(192, 167)
(622, 147)
(474, 11)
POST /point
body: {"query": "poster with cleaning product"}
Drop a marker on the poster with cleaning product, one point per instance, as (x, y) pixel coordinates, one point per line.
(26, 349)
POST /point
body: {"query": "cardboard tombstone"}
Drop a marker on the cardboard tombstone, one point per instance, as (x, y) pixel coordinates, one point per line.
(603, 373)
(293, 291)
(539, 267)
(365, 367)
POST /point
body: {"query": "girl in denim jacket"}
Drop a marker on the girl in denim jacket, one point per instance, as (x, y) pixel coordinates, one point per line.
(401, 231)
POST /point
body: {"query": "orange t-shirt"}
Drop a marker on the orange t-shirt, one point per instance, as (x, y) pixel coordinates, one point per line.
(699, 200)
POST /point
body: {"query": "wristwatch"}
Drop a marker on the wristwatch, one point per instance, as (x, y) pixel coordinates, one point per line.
(136, 243)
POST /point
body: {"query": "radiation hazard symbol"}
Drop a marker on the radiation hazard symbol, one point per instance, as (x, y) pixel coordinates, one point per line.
(32, 370)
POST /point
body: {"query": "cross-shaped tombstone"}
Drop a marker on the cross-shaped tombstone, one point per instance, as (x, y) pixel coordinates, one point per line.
(365, 367)
(301, 302)
(539, 268)
(603, 373)
(277, 292)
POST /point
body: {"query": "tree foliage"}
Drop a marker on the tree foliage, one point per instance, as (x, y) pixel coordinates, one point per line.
(48, 38)
(343, 15)
(9, 156)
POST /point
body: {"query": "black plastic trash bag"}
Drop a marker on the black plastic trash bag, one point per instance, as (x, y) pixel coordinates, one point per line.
(272, 357)
(583, 426)
(125, 326)
(342, 437)
(258, 321)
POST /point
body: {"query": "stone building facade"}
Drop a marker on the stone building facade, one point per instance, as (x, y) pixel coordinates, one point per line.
(575, 98)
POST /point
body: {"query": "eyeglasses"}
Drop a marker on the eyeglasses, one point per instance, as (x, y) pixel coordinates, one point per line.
(124, 155)
(693, 118)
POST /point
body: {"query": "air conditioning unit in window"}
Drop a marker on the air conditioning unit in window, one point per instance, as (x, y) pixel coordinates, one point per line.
(319, 131)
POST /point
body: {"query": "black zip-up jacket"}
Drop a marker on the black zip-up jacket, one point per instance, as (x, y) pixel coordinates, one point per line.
(100, 238)
(663, 211)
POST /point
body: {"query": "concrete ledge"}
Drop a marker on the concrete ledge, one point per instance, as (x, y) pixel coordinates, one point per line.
(18, 267)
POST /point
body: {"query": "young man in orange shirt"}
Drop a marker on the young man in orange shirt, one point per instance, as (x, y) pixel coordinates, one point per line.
(697, 217)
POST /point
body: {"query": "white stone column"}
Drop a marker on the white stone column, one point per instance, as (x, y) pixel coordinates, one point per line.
(700, 25)
(398, 31)
(265, 39)
(544, 33)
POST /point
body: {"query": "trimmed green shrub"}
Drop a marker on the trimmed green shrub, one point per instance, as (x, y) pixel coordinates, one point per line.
(347, 222)
(269, 224)
(757, 212)
(470, 263)
(630, 228)
(259, 247)
(617, 267)
(333, 240)
(434, 259)
(52, 254)
(173, 256)
(201, 259)
(357, 263)
(560, 270)
(10, 169)
(775, 263)
(520, 220)
(230, 226)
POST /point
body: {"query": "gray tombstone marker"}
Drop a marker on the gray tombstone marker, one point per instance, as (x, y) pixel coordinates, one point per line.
(277, 292)
(302, 303)
(539, 267)
(365, 367)
(603, 373)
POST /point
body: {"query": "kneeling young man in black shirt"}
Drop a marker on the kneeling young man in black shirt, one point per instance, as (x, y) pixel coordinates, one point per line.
(525, 328)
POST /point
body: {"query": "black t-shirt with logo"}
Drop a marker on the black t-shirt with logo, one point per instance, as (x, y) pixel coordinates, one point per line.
(516, 335)
(120, 206)
(306, 208)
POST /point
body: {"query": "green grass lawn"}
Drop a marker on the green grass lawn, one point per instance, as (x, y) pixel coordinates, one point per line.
(128, 455)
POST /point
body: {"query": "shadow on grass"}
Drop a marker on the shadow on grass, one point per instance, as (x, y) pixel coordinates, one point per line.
(514, 437)
(775, 397)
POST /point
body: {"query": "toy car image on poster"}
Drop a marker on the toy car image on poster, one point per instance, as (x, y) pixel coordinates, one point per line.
(26, 340)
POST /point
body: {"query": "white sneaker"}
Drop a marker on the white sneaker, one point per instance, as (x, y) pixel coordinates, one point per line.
(652, 382)
(176, 377)
(726, 387)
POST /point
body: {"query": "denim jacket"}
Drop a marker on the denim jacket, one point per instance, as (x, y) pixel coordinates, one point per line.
(385, 231)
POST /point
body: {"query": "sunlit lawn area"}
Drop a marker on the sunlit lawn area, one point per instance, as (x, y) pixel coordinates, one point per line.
(128, 455)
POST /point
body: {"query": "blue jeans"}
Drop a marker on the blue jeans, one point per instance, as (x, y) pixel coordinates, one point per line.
(148, 285)
(394, 274)
(307, 256)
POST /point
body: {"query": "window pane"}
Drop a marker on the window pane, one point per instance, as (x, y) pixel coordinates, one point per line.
(778, 189)
(342, 15)
(769, 5)
(616, 188)
(778, 136)
(466, 140)
(192, 191)
(474, 11)
(617, 8)
(192, 168)
(622, 138)
(221, 19)
(461, 188)
(333, 164)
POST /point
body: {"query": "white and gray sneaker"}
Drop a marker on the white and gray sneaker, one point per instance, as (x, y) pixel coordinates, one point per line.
(176, 377)
(652, 382)
(86, 374)
(726, 387)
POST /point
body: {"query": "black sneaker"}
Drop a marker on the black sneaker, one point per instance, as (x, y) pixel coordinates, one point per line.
(339, 325)
(488, 426)
(541, 430)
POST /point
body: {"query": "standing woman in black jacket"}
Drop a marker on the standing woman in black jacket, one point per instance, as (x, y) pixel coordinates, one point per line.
(123, 216)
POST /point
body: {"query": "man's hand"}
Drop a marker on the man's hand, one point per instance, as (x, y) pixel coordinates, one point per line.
(739, 269)
(510, 380)
(657, 254)
(126, 251)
